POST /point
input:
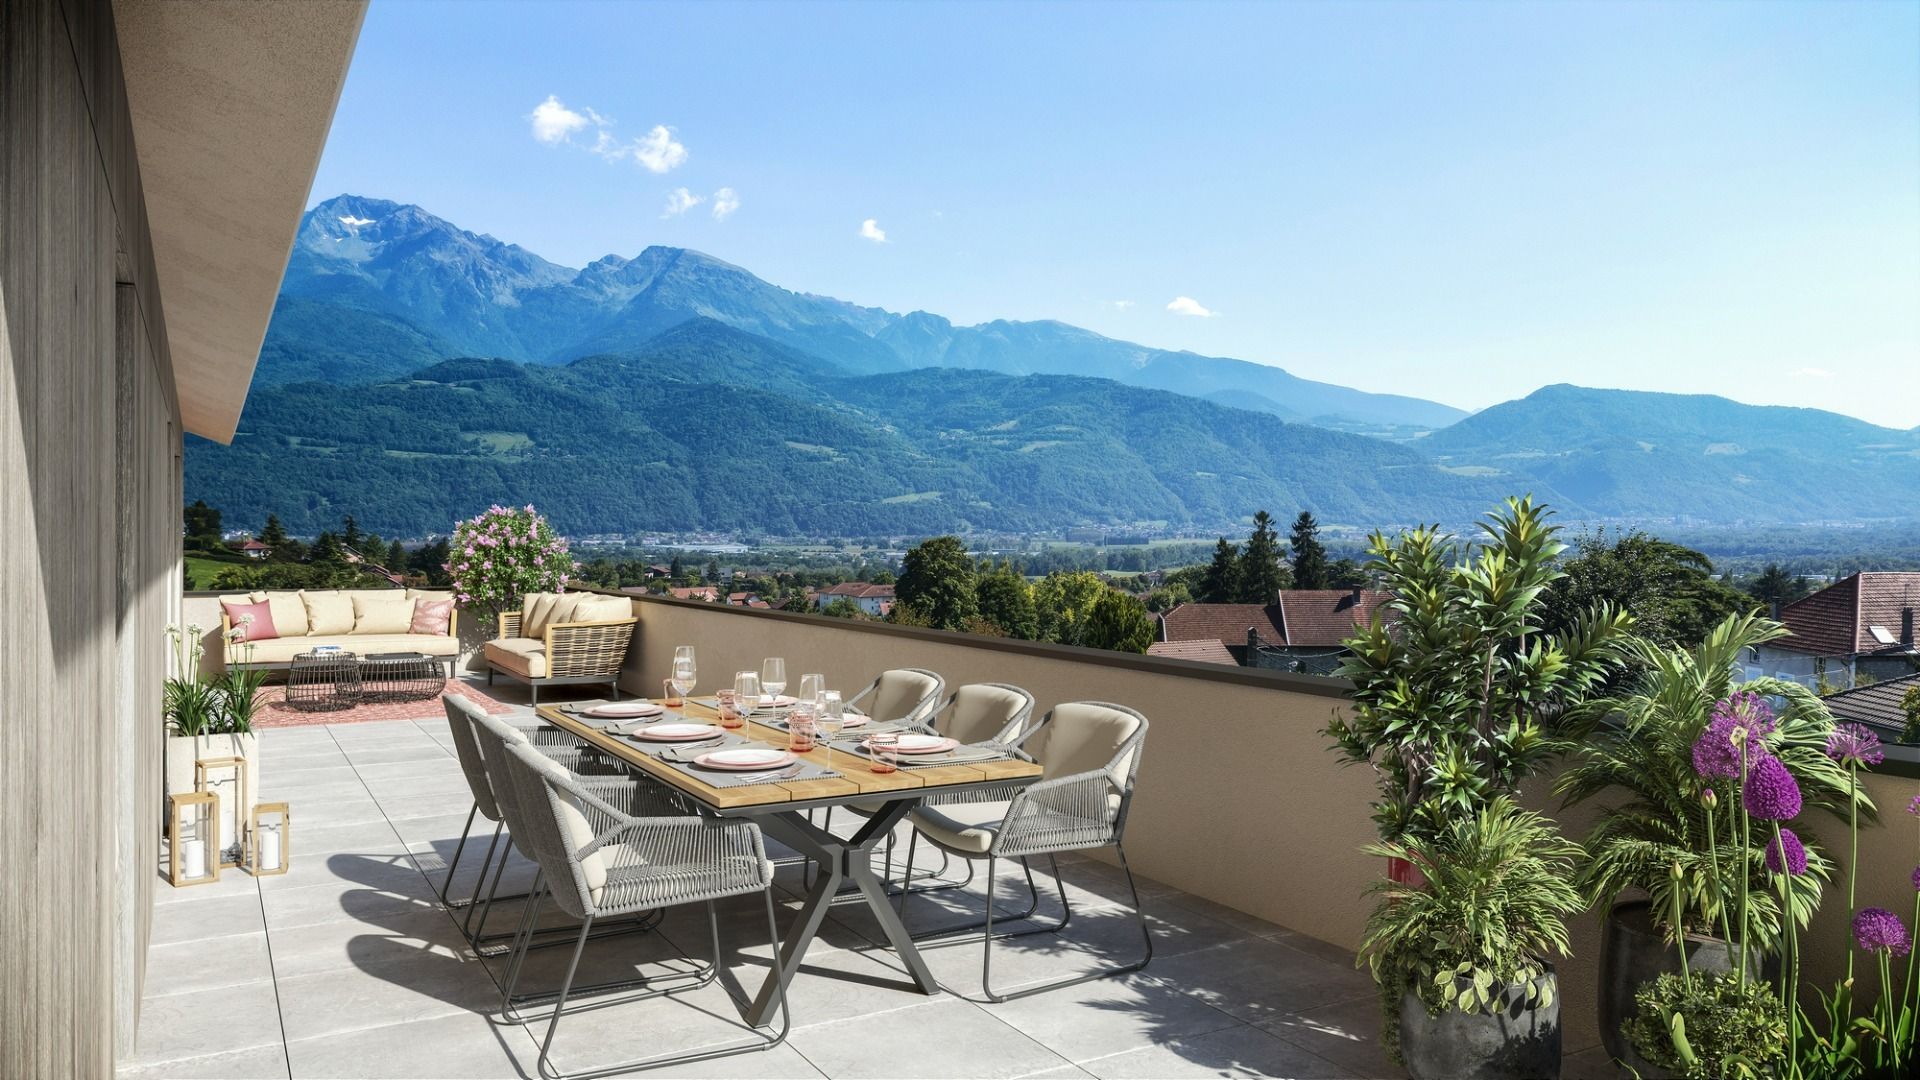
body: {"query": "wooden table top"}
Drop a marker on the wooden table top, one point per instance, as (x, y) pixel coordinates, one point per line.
(856, 782)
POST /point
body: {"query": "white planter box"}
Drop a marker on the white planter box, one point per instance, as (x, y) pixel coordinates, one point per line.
(184, 750)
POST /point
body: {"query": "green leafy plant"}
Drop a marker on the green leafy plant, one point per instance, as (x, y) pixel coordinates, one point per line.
(1640, 745)
(503, 554)
(189, 704)
(1710, 1025)
(1454, 700)
(1492, 912)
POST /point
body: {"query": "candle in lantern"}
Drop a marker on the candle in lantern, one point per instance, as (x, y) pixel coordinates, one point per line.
(268, 837)
(193, 858)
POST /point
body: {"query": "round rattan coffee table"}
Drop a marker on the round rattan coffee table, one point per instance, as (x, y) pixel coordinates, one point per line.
(401, 676)
(323, 681)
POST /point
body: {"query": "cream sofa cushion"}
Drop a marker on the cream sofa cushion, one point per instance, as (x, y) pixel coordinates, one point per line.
(382, 613)
(428, 594)
(590, 608)
(526, 657)
(329, 612)
(288, 610)
(281, 650)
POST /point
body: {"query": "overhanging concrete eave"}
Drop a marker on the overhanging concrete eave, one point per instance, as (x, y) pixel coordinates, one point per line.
(231, 104)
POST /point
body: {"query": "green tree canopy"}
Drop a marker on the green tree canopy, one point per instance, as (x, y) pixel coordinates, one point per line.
(1220, 583)
(202, 525)
(1262, 575)
(1064, 600)
(1775, 585)
(937, 582)
(1006, 600)
(1118, 621)
(1310, 569)
(1669, 590)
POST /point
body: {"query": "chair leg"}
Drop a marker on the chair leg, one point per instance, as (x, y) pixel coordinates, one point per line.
(560, 1006)
(466, 925)
(1140, 916)
(455, 864)
(1033, 905)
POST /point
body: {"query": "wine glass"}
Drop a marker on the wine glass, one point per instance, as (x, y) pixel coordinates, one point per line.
(773, 676)
(811, 686)
(830, 718)
(746, 694)
(684, 669)
(682, 681)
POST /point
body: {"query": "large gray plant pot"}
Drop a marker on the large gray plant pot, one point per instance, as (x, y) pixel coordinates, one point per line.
(1634, 954)
(1514, 1042)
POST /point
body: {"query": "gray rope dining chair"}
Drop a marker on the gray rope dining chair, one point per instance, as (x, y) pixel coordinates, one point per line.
(1090, 753)
(495, 739)
(599, 858)
(910, 694)
(461, 712)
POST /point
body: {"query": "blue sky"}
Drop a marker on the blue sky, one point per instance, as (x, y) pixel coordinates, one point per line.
(1459, 201)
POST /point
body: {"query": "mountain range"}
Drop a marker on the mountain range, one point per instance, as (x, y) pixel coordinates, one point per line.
(414, 371)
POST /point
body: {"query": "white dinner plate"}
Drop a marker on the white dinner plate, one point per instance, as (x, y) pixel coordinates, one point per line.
(623, 710)
(924, 744)
(677, 732)
(744, 759)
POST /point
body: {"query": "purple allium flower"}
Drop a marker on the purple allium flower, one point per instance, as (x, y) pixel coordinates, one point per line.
(1914, 806)
(1877, 928)
(1795, 851)
(1772, 794)
(1916, 879)
(1716, 753)
(1854, 744)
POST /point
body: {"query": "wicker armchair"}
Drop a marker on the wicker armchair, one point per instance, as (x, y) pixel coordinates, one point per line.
(564, 653)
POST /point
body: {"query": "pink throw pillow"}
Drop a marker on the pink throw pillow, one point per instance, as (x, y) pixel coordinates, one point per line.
(431, 616)
(251, 622)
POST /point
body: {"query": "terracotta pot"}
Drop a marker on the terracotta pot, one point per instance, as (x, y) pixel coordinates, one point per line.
(1404, 872)
(1512, 1041)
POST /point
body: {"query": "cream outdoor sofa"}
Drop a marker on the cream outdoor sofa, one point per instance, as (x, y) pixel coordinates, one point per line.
(360, 621)
(561, 638)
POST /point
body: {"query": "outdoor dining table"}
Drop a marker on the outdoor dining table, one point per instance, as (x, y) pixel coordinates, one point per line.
(780, 807)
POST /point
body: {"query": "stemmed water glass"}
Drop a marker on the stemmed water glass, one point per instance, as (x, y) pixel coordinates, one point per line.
(746, 694)
(830, 717)
(773, 676)
(810, 687)
(684, 672)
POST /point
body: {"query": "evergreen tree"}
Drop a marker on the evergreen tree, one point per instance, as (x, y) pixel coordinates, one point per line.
(1776, 586)
(1221, 582)
(937, 582)
(326, 548)
(676, 569)
(350, 534)
(201, 525)
(397, 557)
(1006, 600)
(1118, 621)
(273, 534)
(713, 572)
(1310, 570)
(1261, 574)
(1345, 574)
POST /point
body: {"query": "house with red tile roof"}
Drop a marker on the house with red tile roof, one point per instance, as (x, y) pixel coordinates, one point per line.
(696, 592)
(875, 600)
(1302, 630)
(1205, 652)
(1859, 625)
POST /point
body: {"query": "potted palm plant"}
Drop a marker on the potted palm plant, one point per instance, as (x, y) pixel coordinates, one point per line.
(1458, 695)
(210, 718)
(1640, 748)
(1464, 960)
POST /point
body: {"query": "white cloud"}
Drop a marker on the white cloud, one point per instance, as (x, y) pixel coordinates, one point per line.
(1120, 305)
(871, 229)
(555, 123)
(725, 202)
(1187, 305)
(658, 151)
(679, 201)
(1810, 373)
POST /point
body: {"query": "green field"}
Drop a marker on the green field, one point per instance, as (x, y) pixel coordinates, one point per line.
(202, 566)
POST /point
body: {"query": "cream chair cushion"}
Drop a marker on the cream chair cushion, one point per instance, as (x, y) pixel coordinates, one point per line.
(383, 613)
(1082, 737)
(538, 609)
(288, 610)
(901, 690)
(981, 711)
(524, 656)
(591, 608)
(329, 612)
(962, 826)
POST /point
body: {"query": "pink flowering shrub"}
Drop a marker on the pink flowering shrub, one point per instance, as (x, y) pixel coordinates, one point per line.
(501, 555)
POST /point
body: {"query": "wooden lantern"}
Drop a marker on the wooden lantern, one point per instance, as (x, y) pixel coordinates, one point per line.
(232, 791)
(193, 838)
(269, 842)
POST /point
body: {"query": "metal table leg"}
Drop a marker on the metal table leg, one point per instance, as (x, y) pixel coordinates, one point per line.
(838, 860)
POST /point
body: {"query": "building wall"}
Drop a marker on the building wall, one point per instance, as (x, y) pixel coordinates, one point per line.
(89, 551)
